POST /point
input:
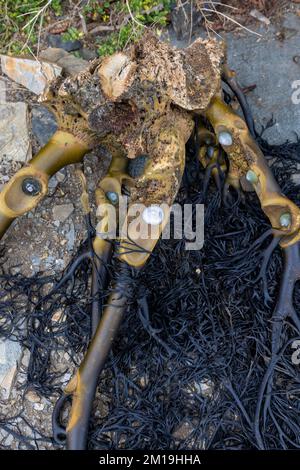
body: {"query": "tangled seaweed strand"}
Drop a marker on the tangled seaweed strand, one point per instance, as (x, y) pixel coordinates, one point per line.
(196, 342)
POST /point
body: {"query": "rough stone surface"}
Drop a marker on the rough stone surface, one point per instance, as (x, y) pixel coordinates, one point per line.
(88, 54)
(2, 91)
(14, 137)
(62, 212)
(43, 124)
(10, 355)
(32, 74)
(71, 65)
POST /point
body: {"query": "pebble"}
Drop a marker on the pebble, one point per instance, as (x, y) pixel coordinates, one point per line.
(52, 182)
(35, 260)
(26, 358)
(33, 397)
(204, 388)
(71, 237)
(38, 406)
(57, 316)
(184, 430)
(60, 176)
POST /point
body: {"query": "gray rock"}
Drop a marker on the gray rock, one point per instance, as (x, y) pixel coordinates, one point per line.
(71, 65)
(2, 91)
(32, 74)
(43, 124)
(50, 261)
(60, 176)
(88, 54)
(26, 358)
(15, 270)
(35, 261)
(9, 440)
(14, 136)
(10, 356)
(38, 406)
(60, 264)
(62, 212)
(52, 182)
(71, 237)
(57, 41)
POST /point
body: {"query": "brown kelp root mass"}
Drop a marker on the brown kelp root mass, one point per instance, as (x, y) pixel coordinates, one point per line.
(203, 357)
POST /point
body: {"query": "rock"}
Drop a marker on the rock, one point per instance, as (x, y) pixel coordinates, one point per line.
(35, 261)
(9, 440)
(88, 54)
(15, 270)
(260, 17)
(7, 382)
(2, 353)
(43, 124)
(184, 430)
(60, 176)
(54, 40)
(71, 237)
(205, 388)
(26, 358)
(2, 91)
(62, 212)
(71, 65)
(14, 136)
(296, 178)
(32, 74)
(57, 316)
(52, 183)
(10, 355)
(38, 406)
(60, 264)
(50, 261)
(33, 397)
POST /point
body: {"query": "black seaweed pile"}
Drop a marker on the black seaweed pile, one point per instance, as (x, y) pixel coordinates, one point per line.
(192, 366)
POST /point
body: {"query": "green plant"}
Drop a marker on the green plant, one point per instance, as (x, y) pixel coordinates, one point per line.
(72, 34)
(136, 15)
(21, 21)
